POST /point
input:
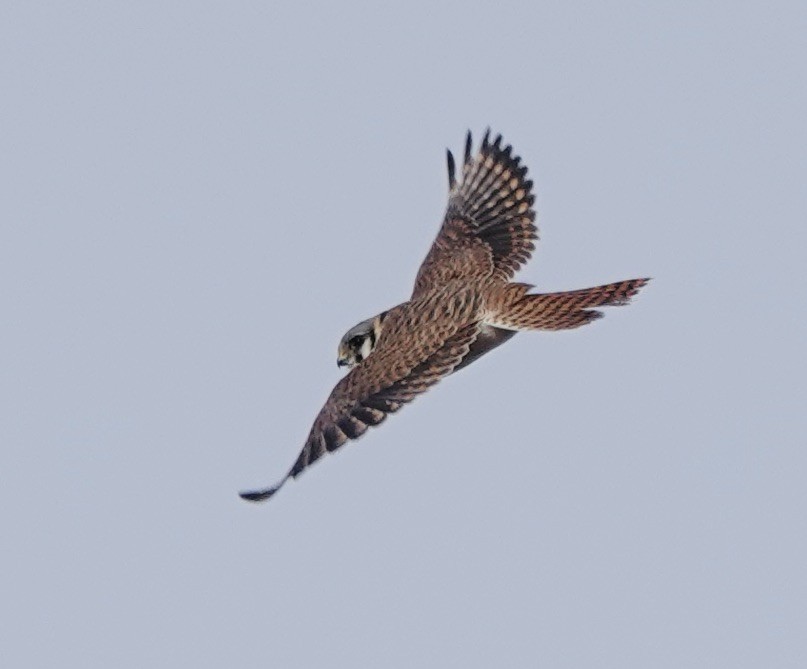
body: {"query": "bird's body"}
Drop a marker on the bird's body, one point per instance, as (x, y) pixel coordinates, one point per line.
(463, 305)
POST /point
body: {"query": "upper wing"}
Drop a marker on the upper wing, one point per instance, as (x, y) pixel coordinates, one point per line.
(361, 400)
(489, 226)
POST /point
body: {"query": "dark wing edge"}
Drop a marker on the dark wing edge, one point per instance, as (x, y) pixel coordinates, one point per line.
(489, 338)
(332, 429)
(495, 202)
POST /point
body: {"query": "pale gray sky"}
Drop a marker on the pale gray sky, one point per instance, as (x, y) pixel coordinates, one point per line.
(200, 198)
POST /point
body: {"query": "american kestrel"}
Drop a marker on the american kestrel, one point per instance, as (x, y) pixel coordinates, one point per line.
(463, 305)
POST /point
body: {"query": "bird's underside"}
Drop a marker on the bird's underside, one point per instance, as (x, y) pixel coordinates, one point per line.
(463, 305)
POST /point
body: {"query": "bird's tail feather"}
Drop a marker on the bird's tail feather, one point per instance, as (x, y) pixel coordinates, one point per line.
(515, 309)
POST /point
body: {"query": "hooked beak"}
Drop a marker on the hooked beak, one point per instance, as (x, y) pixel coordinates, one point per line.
(341, 362)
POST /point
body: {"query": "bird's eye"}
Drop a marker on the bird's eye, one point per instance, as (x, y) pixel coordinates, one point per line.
(356, 342)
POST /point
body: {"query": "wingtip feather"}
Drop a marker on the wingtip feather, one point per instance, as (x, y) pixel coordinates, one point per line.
(261, 495)
(468, 146)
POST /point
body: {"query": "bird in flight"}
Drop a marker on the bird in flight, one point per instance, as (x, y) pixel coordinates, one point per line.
(463, 305)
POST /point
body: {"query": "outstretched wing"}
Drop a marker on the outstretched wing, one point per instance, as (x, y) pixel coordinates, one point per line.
(489, 226)
(360, 400)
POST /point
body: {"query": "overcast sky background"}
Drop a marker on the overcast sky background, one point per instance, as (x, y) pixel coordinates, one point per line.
(198, 199)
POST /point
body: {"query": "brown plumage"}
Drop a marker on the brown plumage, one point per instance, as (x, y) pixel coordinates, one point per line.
(512, 307)
(462, 305)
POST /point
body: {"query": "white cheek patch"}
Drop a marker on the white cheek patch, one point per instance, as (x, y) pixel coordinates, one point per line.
(366, 347)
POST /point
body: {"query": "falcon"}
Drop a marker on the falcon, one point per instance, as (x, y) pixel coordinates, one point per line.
(463, 305)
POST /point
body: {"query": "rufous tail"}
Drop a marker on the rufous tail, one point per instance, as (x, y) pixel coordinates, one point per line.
(515, 309)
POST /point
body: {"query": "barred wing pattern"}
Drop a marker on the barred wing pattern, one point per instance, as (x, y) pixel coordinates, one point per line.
(358, 402)
(489, 226)
(462, 306)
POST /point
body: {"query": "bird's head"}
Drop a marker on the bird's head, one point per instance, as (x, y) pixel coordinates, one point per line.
(359, 341)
